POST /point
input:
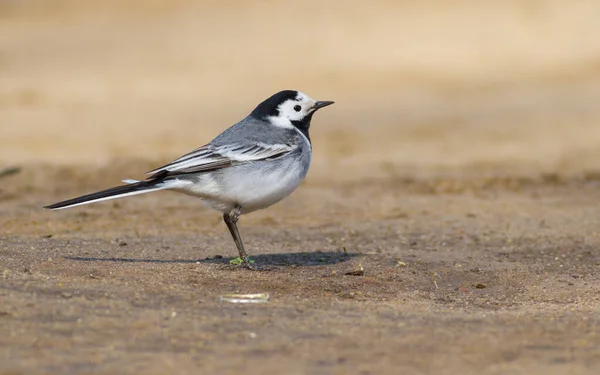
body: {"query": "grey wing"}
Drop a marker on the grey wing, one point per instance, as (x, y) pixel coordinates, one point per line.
(211, 157)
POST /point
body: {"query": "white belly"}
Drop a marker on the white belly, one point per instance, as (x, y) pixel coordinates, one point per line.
(253, 187)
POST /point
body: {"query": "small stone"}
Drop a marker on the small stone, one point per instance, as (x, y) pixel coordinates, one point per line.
(480, 286)
(359, 272)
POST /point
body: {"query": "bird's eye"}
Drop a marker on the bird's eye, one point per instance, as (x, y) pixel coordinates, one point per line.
(297, 108)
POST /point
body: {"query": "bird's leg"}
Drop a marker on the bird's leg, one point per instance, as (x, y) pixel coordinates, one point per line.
(231, 219)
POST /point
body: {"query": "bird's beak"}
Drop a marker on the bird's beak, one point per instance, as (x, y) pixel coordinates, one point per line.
(321, 105)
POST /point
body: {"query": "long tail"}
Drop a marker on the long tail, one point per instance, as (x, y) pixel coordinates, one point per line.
(134, 188)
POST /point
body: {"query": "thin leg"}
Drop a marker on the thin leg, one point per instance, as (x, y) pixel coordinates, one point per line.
(231, 221)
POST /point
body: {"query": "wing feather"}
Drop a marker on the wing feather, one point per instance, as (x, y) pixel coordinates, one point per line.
(210, 157)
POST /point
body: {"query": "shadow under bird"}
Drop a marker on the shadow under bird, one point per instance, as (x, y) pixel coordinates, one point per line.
(250, 166)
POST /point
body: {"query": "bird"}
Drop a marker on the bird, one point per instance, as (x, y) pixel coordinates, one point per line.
(248, 167)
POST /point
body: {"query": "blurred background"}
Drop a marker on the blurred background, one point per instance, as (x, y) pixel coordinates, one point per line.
(421, 87)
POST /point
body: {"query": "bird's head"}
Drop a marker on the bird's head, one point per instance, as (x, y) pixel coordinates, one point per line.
(289, 108)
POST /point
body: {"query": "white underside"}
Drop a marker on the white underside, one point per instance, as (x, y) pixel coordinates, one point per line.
(251, 189)
(253, 186)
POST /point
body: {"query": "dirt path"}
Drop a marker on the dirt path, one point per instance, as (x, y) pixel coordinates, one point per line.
(496, 281)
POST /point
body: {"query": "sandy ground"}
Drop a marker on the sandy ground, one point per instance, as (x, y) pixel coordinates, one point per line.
(459, 167)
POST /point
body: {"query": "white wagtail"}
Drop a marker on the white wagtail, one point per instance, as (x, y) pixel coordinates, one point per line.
(250, 166)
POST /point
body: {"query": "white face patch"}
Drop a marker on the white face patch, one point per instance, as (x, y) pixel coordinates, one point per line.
(293, 110)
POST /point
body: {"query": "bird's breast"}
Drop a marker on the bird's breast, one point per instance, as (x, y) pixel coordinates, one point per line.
(253, 186)
(265, 183)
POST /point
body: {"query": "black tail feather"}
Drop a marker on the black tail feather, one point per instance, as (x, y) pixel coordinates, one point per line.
(115, 192)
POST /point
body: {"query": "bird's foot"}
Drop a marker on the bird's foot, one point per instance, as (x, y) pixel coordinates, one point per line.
(249, 264)
(242, 262)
